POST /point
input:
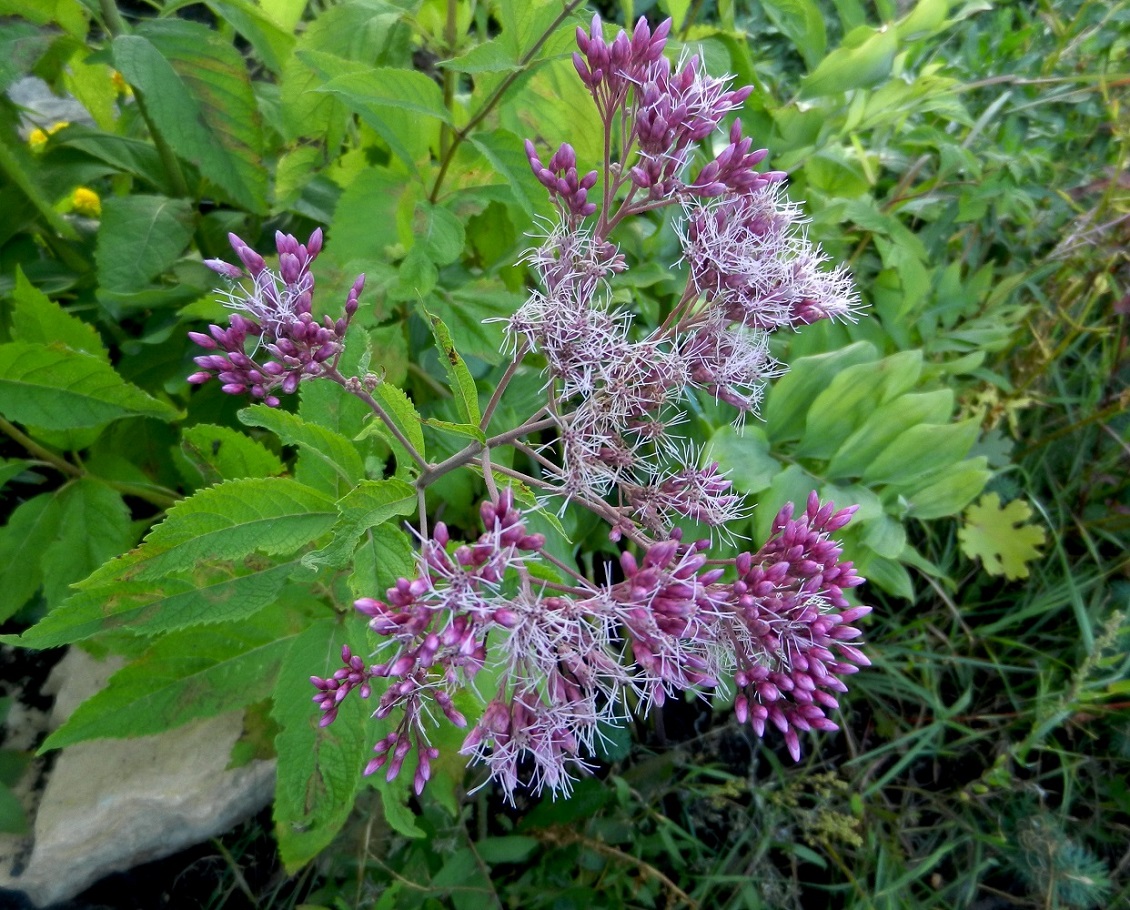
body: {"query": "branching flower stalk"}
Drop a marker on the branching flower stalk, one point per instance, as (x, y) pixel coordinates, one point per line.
(568, 656)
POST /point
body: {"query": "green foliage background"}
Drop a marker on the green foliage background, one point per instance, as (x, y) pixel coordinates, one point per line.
(966, 159)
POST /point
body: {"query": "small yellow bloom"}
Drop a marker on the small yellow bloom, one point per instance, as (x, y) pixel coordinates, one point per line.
(38, 138)
(120, 85)
(87, 202)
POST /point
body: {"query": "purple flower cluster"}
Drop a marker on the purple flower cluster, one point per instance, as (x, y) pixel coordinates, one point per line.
(750, 272)
(567, 659)
(272, 315)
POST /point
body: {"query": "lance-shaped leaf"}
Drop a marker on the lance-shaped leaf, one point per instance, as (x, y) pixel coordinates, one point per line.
(392, 88)
(220, 453)
(200, 100)
(328, 461)
(372, 503)
(215, 592)
(319, 769)
(10, 468)
(390, 100)
(94, 525)
(55, 388)
(458, 376)
(506, 155)
(400, 409)
(184, 676)
(38, 318)
(31, 528)
(272, 515)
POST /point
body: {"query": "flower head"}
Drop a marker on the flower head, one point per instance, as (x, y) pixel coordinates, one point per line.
(272, 314)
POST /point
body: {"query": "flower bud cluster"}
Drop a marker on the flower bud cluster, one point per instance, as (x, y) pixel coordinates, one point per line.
(565, 658)
(560, 178)
(788, 614)
(272, 316)
(750, 272)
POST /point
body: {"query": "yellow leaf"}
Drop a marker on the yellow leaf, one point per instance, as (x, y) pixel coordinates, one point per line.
(999, 536)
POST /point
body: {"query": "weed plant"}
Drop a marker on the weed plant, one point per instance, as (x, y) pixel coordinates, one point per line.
(967, 160)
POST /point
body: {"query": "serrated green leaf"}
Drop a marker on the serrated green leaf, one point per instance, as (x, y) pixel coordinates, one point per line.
(458, 376)
(141, 236)
(123, 153)
(37, 318)
(493, 56)
(469, 430)
(272, 515)
(1000, 538)
(55, 388)
(364, 222)
(439, 232)
(272, 43)
(371, 503)
(347, 37)
(472, 312)
(506, 155)
(319, 770)
(201, 101)
(33, 525)
(394, 803)
(400, 409)
(386, 88)
(11, 468)
(184, 676)
(328, 461)
(94, 525)
(384, 555)
(221, 453)
(216, 591)
(402, 106)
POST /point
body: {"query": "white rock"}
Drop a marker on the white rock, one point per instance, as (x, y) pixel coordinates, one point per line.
(110, 805)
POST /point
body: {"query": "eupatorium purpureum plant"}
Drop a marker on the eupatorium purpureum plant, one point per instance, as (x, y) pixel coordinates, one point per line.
(537, 664)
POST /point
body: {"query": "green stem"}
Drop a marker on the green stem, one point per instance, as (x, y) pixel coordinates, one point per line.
(386, 419)
(501, 386)
(472, 450)
(112, 18)
(449, 75)
(43, 454)
(168, 157)
(495, 97)
(155, 495)
(12, 168)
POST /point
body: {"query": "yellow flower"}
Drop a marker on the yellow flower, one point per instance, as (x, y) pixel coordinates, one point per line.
(38, 138)
(87, 202)
(120, 85)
